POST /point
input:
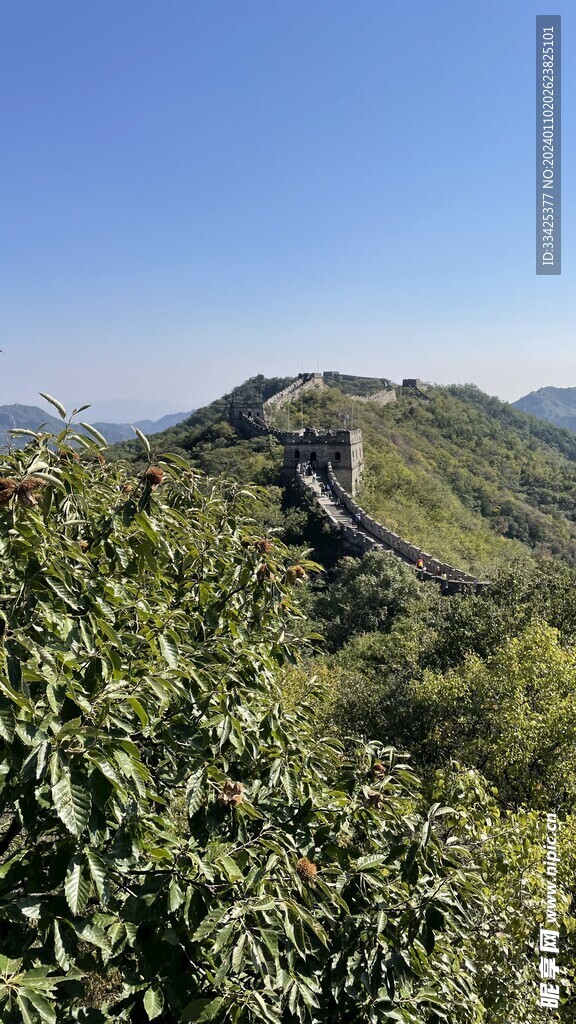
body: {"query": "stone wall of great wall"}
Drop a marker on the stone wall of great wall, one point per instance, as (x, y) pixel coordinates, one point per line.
(303, 382)
(357, 530)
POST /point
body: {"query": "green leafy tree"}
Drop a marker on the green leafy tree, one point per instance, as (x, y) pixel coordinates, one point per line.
(367, 595)
(512, 715)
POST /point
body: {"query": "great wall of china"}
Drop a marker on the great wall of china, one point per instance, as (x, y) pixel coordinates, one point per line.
(327, 467)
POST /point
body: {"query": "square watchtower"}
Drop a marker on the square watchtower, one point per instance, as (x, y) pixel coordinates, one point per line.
(342, 448)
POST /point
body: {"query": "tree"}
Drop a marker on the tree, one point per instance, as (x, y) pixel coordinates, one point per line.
(513, 716)
(366, 595)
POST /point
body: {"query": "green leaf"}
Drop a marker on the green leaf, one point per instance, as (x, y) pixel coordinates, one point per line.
(138, 708)
(209, 923)
(62, 957)
(54, 401)
(44, 1008)
(22, 432)
(175, 896)
(195, 791)
(61, 589)
(169, 650)
(50, 478)
(76, 886)
(92, 933)
(153, 1002)
(99, 873)
(30, 906)
(25, 1009)
(72, 801)
(6, 720)
(143, 439)
(202, 1009)
(230, 868)
(238, 953)
(94, 433)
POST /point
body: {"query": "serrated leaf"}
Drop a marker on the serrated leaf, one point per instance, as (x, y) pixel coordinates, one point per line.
(195, 791)
(153, 1002)
(99, 873)
(238, 953)
(51, 479)
(136, 706)
(41, 1004)
(62, 591)
(230, 868)
(209, 923)
(175, 896)
(27, 1015)
(72, 801)
(92, 933)
(6, 720)
(54, 401)
(76, 886)
(30, 906)
(169, 650)
(62, 958)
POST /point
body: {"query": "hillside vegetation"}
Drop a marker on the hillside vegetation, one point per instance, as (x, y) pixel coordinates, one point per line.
(202, 816)
(462, 475)
(177, 844)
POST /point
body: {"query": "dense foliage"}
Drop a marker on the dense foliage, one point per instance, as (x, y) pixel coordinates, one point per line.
(182, 837)
(174, 846)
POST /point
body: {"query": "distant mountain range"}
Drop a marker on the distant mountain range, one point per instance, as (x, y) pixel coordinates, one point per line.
(31, 417)
(557, 405)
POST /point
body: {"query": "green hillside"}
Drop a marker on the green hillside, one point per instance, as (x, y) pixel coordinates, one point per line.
(463, 475)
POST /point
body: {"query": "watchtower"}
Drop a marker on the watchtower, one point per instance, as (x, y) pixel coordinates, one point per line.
(342, 448)
(251, 410)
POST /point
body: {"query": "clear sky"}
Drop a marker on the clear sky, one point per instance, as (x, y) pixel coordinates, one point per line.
(195, 191)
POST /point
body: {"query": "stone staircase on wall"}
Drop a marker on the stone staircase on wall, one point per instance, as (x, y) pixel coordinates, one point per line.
(349, 518)
(303, 382)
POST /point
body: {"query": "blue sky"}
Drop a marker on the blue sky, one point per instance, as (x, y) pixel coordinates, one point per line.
(192, 192)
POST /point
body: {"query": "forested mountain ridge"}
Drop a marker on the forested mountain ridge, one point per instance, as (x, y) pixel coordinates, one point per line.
(557, 405)
(463, 475)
